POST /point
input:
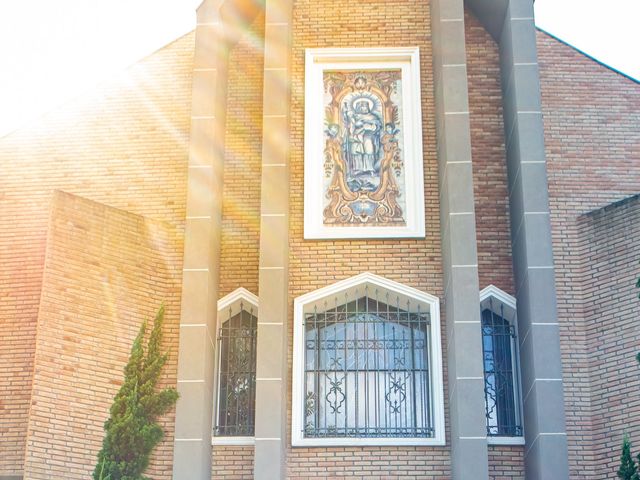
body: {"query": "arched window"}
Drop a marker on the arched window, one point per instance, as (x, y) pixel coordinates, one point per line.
(236, 387)
(501, 368)
(367, 365)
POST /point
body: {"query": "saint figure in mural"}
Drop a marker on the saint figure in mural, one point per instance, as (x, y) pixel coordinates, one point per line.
(364, 180)
(361, 144)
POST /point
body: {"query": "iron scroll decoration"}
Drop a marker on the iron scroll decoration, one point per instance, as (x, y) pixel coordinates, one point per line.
(236, 397)
(367, 372)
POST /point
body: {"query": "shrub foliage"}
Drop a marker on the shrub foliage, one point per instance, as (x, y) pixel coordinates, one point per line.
(628, 469)
(132, 431)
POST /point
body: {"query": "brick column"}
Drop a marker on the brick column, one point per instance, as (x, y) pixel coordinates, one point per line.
(192, 448)
(469, 457)
(538, 332)
(271, 368)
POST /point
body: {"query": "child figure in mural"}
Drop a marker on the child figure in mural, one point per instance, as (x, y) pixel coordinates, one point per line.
(361, 144)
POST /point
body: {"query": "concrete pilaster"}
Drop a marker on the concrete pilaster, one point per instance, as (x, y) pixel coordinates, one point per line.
(469, 457)
(538, 333)
(271, 367)
(192, 448)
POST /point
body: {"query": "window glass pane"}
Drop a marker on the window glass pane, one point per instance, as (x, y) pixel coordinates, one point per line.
(367, 372)
(498, 345)
(236, 396)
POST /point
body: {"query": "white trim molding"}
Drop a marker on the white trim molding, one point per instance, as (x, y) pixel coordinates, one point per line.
(232, 441)
(353, 288)
(408, 137)
(507, 300)
(235, 298)
(505, 440)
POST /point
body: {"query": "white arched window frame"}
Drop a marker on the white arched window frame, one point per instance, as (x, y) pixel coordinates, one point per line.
(229, 306)
(502, 304)
(354, 288)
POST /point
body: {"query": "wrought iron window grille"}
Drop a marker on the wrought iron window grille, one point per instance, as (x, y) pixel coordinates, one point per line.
(237, 374)
(499, 348)
(367, 369)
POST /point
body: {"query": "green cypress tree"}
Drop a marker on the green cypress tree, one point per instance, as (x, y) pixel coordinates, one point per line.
(628, 469)
(132, 430)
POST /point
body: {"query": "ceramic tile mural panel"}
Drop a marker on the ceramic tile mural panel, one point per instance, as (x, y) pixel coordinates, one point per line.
(363, 156)
(363, 174)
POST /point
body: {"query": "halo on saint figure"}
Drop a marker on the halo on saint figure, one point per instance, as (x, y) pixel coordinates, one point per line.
(370, 99)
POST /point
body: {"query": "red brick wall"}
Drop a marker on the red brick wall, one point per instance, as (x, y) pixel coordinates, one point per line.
(124, 145)
(315, 264)
(491, 194)
(591, 118)
(232, 462)
(609, 242)
(489, 158)
(240, 242)
(367, 462)
(243, 164)
(506, 462)
(105, 272)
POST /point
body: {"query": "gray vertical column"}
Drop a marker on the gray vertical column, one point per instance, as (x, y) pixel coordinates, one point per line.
(469, 457)
(271, 367)
(542, 388)
(193, 425)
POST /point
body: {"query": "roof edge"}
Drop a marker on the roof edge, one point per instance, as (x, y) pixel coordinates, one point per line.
(90, 88)
(609, 67)
(612, 205)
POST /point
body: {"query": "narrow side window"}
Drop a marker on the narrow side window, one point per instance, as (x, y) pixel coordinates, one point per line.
(235, 394)
(500, 362)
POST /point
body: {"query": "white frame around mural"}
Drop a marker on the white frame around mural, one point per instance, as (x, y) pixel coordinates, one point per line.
(407, 60)
(317, 298)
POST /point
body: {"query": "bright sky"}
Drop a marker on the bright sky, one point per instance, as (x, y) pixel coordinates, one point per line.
(604, 29)
(53, 50)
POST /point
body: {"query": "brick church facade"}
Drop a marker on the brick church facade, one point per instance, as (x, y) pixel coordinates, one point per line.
(183, 183)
